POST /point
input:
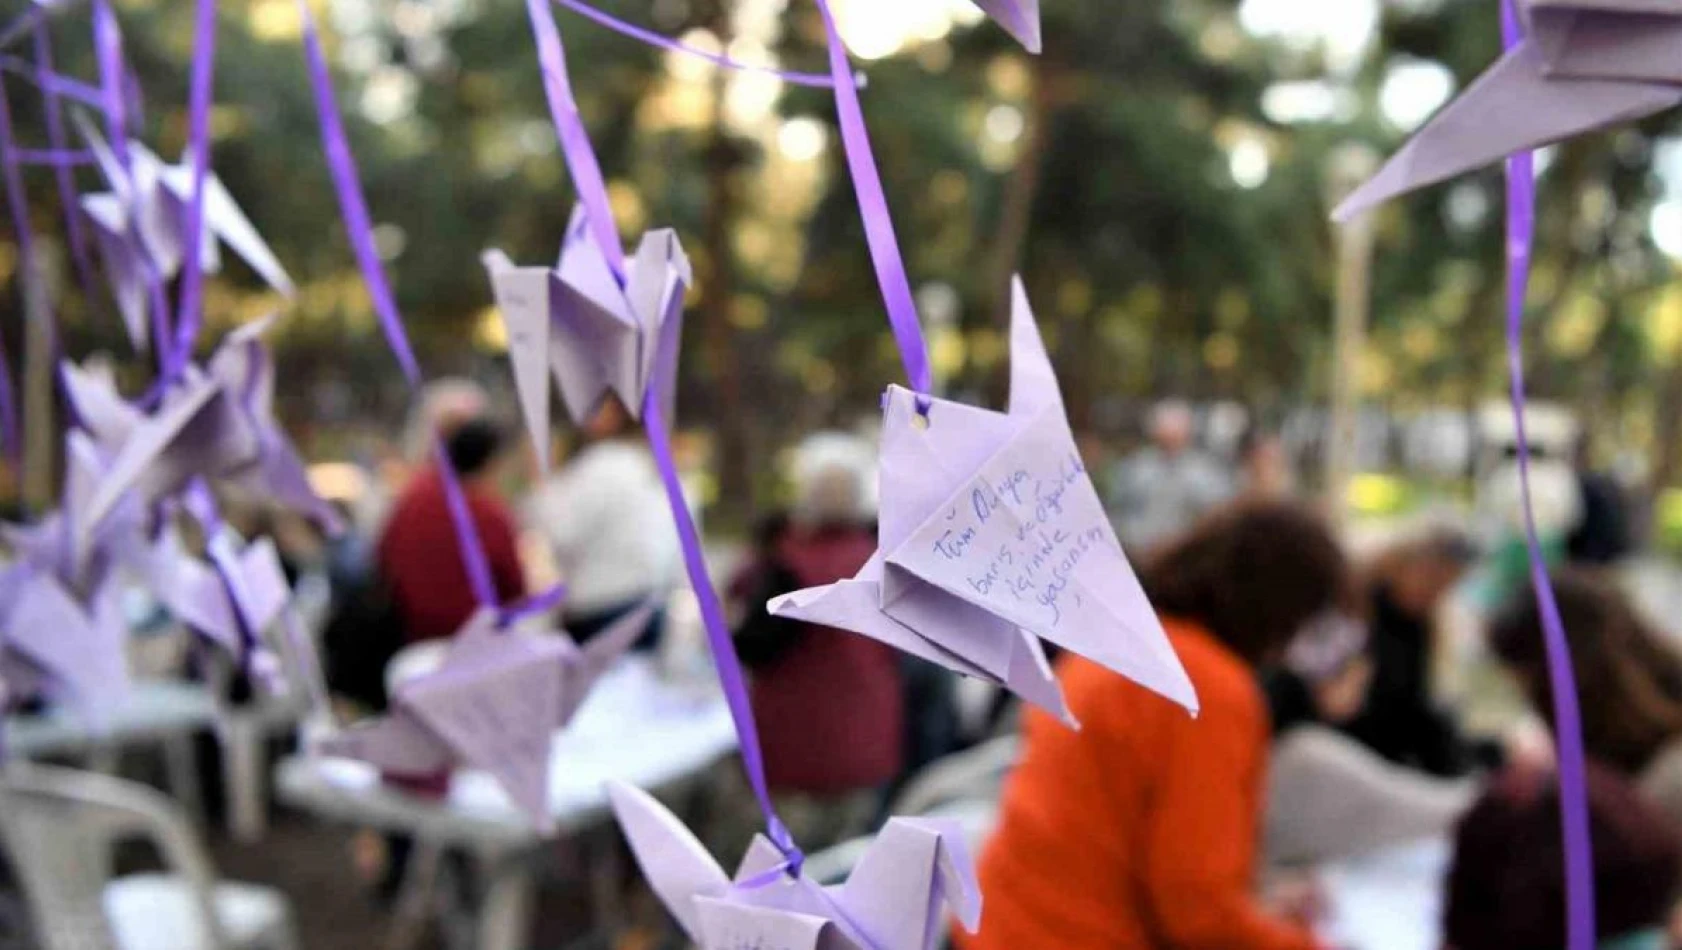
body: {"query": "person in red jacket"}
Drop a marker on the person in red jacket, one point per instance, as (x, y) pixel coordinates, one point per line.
(1140, 829)
(829, 703)
(419, 556)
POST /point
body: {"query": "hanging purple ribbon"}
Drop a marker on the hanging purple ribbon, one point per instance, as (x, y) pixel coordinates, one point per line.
(1568, 730)
(580, 158)
(873, 206)
(817, 80)
(353, 207)
(575, 141)
(62, 173)
(189, 312)
(62, 159)
(49, 81)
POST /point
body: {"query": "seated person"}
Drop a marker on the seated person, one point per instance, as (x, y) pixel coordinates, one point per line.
(1506, 887)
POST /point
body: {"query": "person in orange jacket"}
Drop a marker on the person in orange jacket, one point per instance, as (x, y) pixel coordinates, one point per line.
(1141, 829)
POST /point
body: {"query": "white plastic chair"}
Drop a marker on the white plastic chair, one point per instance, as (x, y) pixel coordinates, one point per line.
(60, 827)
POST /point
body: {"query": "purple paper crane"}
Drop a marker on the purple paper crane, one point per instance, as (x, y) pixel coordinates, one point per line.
(141, 223)
(991, 539)
(1020, 18)
(495, 705)
(230, 599)
(1583, 65)
(573, 322)
(61, 625)
(895, 898)
(217, 423)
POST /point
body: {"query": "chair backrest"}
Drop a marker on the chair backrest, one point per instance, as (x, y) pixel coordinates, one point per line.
(972, 773)
(60, 827)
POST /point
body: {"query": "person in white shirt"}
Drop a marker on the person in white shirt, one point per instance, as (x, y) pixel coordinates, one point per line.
(605, 517)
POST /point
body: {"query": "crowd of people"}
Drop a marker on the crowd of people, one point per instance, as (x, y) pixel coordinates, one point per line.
(1320, 736)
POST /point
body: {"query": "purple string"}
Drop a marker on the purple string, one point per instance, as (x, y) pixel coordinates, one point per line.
(353, 207)
(17, 202)
(718, 631)
(580, 156)
(878, 224)
(1573, 805)
(817, 80)
(48, 80)
(62, 172)
(108, 52)
(61, 159)
(189, 313)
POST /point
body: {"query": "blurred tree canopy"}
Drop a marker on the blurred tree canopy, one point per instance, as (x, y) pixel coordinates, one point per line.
(1170, 226)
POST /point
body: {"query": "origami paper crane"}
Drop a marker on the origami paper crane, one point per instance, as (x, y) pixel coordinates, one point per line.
(219, 424)
(55, 646)
(893, 900)
(575, 322)
(143, 219)
(1582, 65)
(230, 599)
(992, 538)
(1020, 18)
(494, 705)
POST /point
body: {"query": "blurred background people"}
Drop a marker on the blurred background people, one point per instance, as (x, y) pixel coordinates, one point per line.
(1164, 487)
(1264, 466)
(1506, 887)
(1329, 797)
(1140, 830)
(1603, 534)
(420, 558)
(1400, 718)
(605, 517)
(1629, 681)
(830, 703)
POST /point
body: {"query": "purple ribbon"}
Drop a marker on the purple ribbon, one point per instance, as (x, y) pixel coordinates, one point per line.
(878, 224)
(580, 158)
(189, 312)
(62, 172)
(818, 80)
(353, 207)
(47, 80)
(57, 158)
(1573, 804)
(17, 202)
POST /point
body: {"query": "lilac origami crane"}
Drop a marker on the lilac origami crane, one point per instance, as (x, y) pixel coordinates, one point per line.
(575, 323)
(895, 899)
(142, 221)
(59, 647)
(494, 705)
(62, 629)
(1583, 65)
(217, 423)
(992, 538)
(230, 599)
(1020, 18)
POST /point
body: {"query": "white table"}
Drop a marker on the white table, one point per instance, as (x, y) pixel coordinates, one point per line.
(633, 727)
(167, 713)
(1388, 900)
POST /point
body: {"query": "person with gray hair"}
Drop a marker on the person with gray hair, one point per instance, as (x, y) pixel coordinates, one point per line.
(1162, 489)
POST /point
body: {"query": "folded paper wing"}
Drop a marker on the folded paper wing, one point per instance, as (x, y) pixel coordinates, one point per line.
(895, 898)
(992, 538)
(1020, 18)
(577, 324)
(1584, 66)
(77, 648)
(494, 705)
(239, 593)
